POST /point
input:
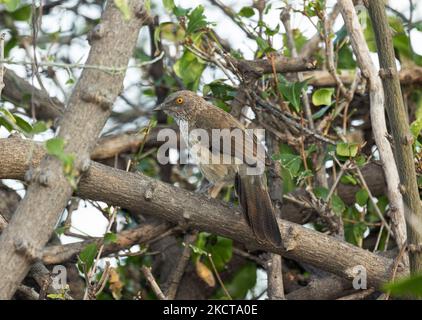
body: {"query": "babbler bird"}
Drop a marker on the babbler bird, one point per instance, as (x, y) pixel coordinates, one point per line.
(191, 111)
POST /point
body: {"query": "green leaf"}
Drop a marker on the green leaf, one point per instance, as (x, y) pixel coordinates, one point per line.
(322, 97)
(299, 39)
(292, 92)
(169, 31)
(55, 146)
(22, 14)
(263, 45)
(362, 197)
(291, 162)
(9, 116)
(70, 81)
(5, 123)
(241, 283)
(271, 32)
(246, 12)
(23, 125)
(189, 68)
(346, 59)
(219, 247)
(337, 204)
(87, 256)
(346, 149)
(407, 287)
(348, 179)
(321, 192)
(197, 20)
(123, 6)
(219, 90)
(169, 5)
(221, 251)
(11, 5)
(110, 237)
(56, 296)
(61, 230)
(38, 127)
(180, 12)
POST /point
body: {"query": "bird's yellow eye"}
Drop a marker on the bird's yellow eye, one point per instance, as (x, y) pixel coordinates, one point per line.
(179, 100)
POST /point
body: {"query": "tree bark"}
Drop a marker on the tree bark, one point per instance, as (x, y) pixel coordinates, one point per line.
(89, 107)
(139, 193)
(379, 127)
(399, 123)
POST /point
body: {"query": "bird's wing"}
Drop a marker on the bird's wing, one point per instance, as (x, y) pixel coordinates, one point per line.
(232, 139)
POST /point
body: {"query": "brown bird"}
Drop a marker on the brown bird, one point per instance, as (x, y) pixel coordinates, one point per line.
(192, 112)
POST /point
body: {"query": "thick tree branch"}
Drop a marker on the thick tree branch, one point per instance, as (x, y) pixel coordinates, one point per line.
(399, 123)
(379, 127)
(253, 69)
(145, 195)
(89, 107)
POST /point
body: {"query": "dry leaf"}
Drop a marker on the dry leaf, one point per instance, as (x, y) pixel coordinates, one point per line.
(204, 273)
(115, 284)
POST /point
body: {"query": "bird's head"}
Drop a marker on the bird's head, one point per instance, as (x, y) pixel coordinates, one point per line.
(181, 105)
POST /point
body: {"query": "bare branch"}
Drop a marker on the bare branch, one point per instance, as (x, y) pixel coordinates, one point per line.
(139, 193)
(89, 108)
(379, 127)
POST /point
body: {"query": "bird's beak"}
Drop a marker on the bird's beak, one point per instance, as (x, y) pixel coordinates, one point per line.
(160, 107)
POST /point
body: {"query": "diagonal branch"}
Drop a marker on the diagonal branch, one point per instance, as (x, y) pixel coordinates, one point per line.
(139, 193)
(88, 109)
(399, 124)
(379, 127)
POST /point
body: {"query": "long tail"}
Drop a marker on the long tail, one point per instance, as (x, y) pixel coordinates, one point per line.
(256, 204)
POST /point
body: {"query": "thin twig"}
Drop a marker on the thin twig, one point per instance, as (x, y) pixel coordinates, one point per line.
(2, 36)
(218, 277)
(371, 198)
(290, 121)
(178, 272)
(153, 284)
(112, 70)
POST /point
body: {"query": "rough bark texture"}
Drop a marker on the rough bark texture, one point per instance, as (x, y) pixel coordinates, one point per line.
(275, 289)
(88, 109)
(379, 127)
(142, 194)
(399, 124)
(322, 78)
(21, 92)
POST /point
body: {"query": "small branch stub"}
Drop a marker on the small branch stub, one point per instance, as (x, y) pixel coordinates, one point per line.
(26, 249)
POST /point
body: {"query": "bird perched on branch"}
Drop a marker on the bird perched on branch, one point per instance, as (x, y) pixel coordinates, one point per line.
(226, 151)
